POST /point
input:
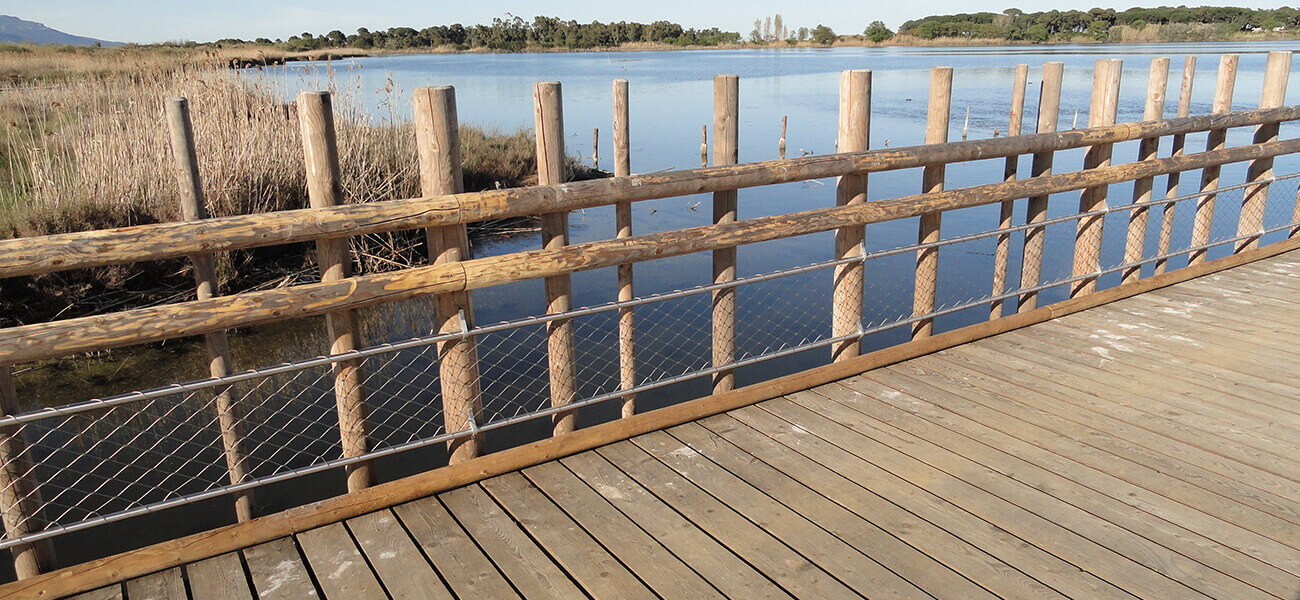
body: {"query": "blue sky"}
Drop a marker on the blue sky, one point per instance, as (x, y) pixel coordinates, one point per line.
(146, 21)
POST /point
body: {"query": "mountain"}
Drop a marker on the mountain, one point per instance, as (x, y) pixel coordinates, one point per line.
(13, 29)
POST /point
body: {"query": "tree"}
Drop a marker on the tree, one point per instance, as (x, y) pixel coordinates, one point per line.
(767, 29)
(778, 27)
(803, 34)
(823, 35)
(756, 36)
(878, 32)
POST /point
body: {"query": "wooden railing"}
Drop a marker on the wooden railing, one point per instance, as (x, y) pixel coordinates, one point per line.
(445, 209)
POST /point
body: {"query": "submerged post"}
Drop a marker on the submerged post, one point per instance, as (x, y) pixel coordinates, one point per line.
(1087, 237)
(854, 136)
(230, 415)
(20, 500)
(704, 145)
(726, 113)
(1135, 246)
(1273, 95)
(1003, 252)
(595, 148)
(1049, 110)
(324, 189)
(780, 146)
(1203, 221)
(927, 259)
(437, 136)
(623, 222)
(1171, 185)
(548, 112)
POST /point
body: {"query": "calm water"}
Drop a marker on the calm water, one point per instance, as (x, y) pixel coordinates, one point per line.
(671, 97)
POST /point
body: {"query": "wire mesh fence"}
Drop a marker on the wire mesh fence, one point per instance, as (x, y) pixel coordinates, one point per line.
(113, 458)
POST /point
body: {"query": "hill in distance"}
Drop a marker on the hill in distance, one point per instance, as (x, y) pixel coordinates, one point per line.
(13, 29)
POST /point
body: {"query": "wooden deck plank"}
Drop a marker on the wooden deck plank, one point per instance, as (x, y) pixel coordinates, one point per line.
(1015, 551)
(462, 564)
(1121, 398)
(218, 578)
(163, 585)
(340, 570)
(1043, 419)
(667, 575)
(392, 554)
(730, 574)
(1078, 484)
(530, 570)
(1230, 310)
(763, 551)
(278, 572)
(599, 573)
(909, 562)
(1044, 531)
(112, 592)
(843, 561)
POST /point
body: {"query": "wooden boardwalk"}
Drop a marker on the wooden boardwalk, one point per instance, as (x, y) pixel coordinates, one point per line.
(1147, 448)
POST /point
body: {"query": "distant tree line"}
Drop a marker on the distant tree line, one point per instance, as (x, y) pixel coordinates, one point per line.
(510, 34)
(1016, 25)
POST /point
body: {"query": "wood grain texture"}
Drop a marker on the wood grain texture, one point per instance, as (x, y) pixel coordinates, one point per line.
(1135, 245)
(726, 151)
(218, 578)
(278, 572)
(397, 561)
(339, 568)
(854, 136)
(927, 259)
(623, 226)
(1177, 143)
(1049, 109)
(1203, 220)
(1088, 233)
(467, 571)
(20, 498)
(1277, 70)
(1002, 254)
(163, 585)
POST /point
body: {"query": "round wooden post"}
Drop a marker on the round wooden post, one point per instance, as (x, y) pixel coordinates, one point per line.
(595, 148)
(1049, 112)
(1003, 251)
(1135, 246)
(927, 259)
(1203, 221)
(230, 414)
(623, 222)
(726, 141)
(548, 115)
(854, 136)
(20, 500)
(437, 136)
(324, 189)
(780, 145)
(1273, 95)
(1176, 149)
(704, 145)
(1087, 238)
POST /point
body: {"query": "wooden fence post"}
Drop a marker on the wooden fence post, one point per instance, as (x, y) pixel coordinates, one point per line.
(1203, 221)
(1135, 246)
(1087, 239)
(726, 113)
(324, 189)
(548, 112)
(1171, 185)
(1255, 198)
(437, 136)
(854, 136)
(1003, 253)
(704, 145)
(780, 145)
(230, 414)
(1049, 111)
(20, 500)
(595, 148)
(623, 222)
(927, 259)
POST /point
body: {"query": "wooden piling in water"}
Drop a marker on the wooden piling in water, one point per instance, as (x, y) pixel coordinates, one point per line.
(230, 414)
(595, 148)
(1276, 72)
(623, 222)
(1203, 220)
(1135, 245)
(1049, 111)
(1168, 209)
(927, 259)
(726, 141)
(1087, 238)
(780, 146)
(854, 136)
(548, 111)
(20, 500)
(437, 137)
(1003, 252)
(704, 145)
(324, 189)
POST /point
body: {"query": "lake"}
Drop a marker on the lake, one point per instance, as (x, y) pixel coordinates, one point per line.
(670, 99)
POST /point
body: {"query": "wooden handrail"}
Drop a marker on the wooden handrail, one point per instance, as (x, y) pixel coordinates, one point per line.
(29, 256)
(61, 338)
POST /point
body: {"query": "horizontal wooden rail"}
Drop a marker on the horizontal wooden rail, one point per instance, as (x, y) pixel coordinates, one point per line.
(29, 256)
(61, 338)
(121, 567)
